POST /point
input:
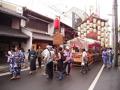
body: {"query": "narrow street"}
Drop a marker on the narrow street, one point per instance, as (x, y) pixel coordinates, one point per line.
(36, 35)
(76, 81)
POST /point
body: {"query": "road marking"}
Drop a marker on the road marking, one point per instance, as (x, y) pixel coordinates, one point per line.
(7, 73)
(92, 86)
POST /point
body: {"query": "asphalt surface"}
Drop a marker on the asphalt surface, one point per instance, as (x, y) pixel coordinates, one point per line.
(109, 80)
(76, 81)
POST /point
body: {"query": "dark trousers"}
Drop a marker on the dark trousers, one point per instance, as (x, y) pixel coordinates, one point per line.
(39, 62)
(49, 70)
(60, 69)
(32, 64)
(68, 69)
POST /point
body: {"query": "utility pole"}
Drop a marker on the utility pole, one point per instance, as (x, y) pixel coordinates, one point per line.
(115, 20)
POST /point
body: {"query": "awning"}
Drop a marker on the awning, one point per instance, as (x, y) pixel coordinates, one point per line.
(10, 12)
(40, 36)
(9, 32)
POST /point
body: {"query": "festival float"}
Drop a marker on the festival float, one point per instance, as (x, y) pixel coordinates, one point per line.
(77, 44)
(93, 36)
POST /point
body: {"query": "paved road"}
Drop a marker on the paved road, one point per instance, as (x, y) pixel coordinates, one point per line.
(76, 81)
(109, 80)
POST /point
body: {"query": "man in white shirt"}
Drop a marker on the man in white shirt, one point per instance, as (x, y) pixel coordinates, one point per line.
(48, 60)
(84, 57)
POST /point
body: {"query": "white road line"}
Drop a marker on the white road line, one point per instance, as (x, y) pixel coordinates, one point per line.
(7, 73)
(92, 86)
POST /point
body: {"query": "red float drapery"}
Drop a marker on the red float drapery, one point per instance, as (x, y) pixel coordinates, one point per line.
(57, 23)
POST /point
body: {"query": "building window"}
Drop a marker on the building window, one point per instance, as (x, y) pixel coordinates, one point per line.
(37, 24)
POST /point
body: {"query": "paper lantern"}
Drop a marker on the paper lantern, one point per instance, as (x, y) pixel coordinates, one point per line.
(99, 22)
(94, 25)
(88, 31)
(84, 29)
(84, 34)
(99, 32)
(94, 30)
(88, 26)
(102, 44)
(88, 22)
(102, 34)
(79, 33)
(98, 37)
(94, 20)
(85, 24)
(106, 45)
(79, 28)
(102, 39)
(105, 28)
(99, 27)
(106, 39)
(91, 24)
(102, 29)
(102, 24)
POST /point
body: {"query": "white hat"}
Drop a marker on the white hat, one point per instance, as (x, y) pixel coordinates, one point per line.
(9, 52)
(67, 47)
(61, 46)
(48, 47)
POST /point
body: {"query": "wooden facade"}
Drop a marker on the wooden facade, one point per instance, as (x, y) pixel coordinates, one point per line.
(38, 25)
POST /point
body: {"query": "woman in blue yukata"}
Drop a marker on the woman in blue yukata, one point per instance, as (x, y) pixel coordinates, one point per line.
(32, 58)
(105, 57)
(10, 60)
(15, 59)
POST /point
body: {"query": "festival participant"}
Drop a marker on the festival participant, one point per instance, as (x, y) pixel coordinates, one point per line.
(32, 58)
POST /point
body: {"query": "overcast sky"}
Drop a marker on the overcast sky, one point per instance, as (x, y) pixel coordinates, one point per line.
(45, 7)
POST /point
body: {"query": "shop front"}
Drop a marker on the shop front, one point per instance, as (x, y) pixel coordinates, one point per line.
(41, 40)
(9, 38)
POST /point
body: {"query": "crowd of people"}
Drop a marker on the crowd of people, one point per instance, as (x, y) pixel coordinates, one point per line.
(56, 59)
(15, 60)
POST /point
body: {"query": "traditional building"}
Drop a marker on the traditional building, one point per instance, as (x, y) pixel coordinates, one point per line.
(11, 34)
(41, 29)
(25, 28)
(37, 28)
(69, 32)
